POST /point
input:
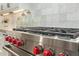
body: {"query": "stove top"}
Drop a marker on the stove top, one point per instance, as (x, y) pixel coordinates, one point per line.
(51, 31)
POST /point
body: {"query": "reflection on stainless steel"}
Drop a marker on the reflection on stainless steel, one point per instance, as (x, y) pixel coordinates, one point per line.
(45, 41)
(15, 51)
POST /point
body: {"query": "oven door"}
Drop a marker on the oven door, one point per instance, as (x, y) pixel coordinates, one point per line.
(14, 51)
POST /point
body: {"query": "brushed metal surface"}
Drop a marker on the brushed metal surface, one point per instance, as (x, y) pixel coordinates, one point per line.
(30, 41)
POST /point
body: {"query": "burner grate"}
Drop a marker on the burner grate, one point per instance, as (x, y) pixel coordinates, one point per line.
(51, 31)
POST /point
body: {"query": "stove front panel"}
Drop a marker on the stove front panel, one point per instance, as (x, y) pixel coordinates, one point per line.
(30, 41)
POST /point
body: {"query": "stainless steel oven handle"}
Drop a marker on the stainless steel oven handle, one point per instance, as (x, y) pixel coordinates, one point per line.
(9, 50)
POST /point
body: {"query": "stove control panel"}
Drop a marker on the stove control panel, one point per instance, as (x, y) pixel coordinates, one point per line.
(41, 45)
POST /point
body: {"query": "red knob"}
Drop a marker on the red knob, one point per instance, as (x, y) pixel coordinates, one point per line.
(14, 41)
(19, 43)
(36, 50)
(48, 53)
(61, 54)
(10, 39)
(6, 38)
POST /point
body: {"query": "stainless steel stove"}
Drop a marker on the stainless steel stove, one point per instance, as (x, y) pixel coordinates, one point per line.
(44, 41)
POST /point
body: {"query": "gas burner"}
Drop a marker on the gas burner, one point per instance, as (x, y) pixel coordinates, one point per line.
(51, 31)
